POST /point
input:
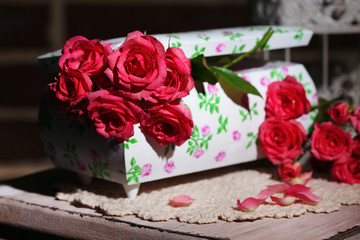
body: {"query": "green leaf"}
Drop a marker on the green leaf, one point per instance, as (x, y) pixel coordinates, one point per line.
(242, 47)
(133, 140)
(217, 100)
(107, 174)
(201, 72)
(235, 81)
(126, 146)
(133, 161)
(137, 168)
(129, 179)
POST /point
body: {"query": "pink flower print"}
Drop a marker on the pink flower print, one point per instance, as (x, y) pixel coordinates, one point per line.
(94, 156)
(169, 166)
(247, 78)
(51, 148)
(285, 70)
(212, 88)
(198, 153)
(220, 156)
(81, 166)
(315, 98)
(304, 117)
(201, 35)
(205, 130)
(265, 81)
(146, 170)
(220, 47)
(227, 32)
(236, 136)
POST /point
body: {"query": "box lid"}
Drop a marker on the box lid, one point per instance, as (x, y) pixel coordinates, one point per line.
(214, 42)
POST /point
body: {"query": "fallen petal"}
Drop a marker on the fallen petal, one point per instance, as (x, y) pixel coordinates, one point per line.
(181, 201)
(279, 188)
(284, 201)
(264, 194)
(308, 198)
(248, 205)
(298, 188)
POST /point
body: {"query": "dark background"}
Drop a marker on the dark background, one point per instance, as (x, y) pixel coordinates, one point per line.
(31, 28)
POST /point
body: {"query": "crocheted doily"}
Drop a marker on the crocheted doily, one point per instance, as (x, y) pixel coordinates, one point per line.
(215, 193)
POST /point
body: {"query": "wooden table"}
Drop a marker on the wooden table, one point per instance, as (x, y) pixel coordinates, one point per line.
(29, 203)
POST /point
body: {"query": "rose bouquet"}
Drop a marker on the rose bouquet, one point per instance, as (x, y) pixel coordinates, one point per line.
(138, 83)
(333, 140)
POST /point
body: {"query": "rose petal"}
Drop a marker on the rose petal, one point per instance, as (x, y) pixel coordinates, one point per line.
(308, 197)
(181, 200)
(298, 188)
(279, 188)
(248, 205)
(284, 201)
(264, 194)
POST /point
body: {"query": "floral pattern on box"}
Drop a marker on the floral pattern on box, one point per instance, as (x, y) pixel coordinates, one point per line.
(224, 134)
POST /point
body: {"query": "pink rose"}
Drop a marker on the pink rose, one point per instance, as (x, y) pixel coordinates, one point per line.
(220, 47)
(286, 99)
(213, 89)
(205, 130)
(69, 89)
(340, 113)
(170, 124)
(138, 67)
(113, 116)
(88, 57)
(355, 119)
(347, 171)
(265, 81)
(236, 135)
(169, 166)
(329, 142)
(178, 82)
(356, 146)
(198, 153)
(281, 140)
(220, 156)
(146, 170)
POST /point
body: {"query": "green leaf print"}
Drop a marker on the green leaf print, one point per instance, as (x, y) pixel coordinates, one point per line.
(232, 36)
(276, 74)
(198, 141)
(223, 123)
(129, 141)
(209, 102)
(206, 38)
(98, 169)
(299, 34)
(134, 171)
(70, 153)
(248, 114)
(253, 138)
(198, 51)
(238, 49)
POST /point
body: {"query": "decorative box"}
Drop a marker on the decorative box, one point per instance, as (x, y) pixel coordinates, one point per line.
(224, 133)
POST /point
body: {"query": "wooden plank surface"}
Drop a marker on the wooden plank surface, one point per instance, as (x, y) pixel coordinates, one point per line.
(29, 202)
